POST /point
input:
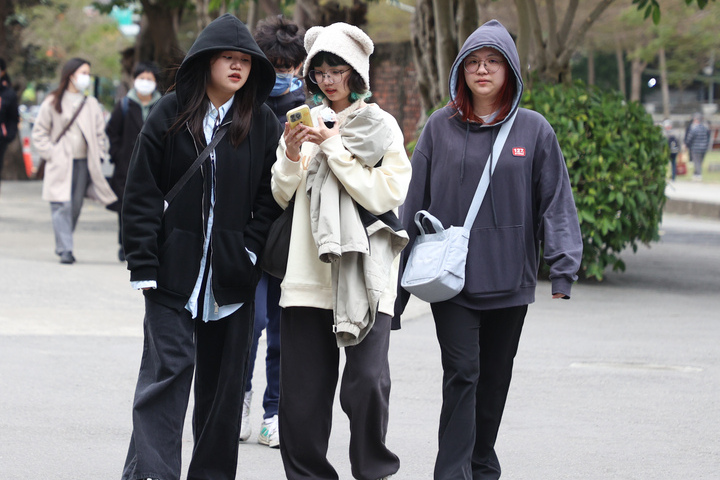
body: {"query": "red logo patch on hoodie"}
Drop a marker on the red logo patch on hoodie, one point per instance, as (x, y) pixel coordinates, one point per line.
(518, 152)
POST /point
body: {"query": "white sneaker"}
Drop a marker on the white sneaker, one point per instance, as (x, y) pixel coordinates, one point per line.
(269, 433)
(245, 428)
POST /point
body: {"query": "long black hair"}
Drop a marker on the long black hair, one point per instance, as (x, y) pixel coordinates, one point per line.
(195, 79)
(68, 69)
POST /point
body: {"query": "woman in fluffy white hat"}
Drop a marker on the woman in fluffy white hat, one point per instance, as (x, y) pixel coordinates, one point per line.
(361, 157)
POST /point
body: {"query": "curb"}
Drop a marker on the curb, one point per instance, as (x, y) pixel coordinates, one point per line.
(692, 207)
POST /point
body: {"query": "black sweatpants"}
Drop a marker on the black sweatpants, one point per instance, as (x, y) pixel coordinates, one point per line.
(175, 347)
(309, 362)
(477, 350)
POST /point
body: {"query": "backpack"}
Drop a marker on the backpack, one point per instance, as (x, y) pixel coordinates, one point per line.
(674, 144)
(124, 103)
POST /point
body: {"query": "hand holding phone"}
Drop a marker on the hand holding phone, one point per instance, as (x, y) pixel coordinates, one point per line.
(299, 115)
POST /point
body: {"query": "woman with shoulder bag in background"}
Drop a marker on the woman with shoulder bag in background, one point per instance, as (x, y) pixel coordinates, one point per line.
(528, 203)
(69, 133)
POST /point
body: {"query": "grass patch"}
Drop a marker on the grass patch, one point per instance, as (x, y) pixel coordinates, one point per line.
(388, 24)
(711, 168)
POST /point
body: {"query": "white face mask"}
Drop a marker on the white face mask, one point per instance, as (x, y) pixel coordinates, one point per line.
(144, 86)
(81, 81)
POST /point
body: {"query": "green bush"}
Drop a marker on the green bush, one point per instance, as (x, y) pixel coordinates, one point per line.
(617, 160)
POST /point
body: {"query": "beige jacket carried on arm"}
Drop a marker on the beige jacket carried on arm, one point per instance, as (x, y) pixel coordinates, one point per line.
(380, 189)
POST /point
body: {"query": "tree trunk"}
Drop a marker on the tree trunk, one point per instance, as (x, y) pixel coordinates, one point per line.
(430, 86)
(252, 15)
(621, 70)
(555, 45)
(158, 40)
(202, 14)
(466, 19)
(523, 37)
(664, 83)
(591, 66)
(636, 69)
(307, 13)
(445, 45)
(270, 7)
(7, 7)
(483, 11)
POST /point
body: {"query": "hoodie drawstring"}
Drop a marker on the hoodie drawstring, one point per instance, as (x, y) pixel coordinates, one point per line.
(494, 135)
(462, 161)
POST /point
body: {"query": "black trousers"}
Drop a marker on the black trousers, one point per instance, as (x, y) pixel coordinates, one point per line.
(309, 362)
(477, 350)
(3, 148)
(175, 347)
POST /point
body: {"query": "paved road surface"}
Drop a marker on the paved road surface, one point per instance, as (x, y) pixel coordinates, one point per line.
(621, 382)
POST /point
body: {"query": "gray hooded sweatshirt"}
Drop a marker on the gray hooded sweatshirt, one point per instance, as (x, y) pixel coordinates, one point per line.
(529, 202)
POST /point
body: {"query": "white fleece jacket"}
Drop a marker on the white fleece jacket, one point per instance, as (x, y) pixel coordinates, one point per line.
(307, 281)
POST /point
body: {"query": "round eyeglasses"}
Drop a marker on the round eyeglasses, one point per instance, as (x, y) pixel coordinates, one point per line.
(333, 76)
(472, 65)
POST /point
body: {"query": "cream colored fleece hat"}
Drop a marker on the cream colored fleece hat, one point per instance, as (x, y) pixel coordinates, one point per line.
(346, 41)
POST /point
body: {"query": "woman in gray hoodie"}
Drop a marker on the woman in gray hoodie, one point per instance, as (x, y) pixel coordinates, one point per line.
(529, 203)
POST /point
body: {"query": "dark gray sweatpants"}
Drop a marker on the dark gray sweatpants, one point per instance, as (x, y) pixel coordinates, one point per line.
(477, 349)
(175, 347)
(65, 214)
(309, 363)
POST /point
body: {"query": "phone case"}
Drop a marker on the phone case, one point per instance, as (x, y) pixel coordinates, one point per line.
(300, 114)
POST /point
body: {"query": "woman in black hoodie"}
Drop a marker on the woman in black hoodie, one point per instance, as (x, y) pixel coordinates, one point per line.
(528, 202)
(195, 257)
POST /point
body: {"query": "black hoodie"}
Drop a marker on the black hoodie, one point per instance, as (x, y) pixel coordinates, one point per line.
(9, 116)
(167, 247)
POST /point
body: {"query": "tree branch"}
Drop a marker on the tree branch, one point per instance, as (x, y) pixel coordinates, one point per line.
(578, 34)
(444, 44)
(523, 36)
(567, 22)
(466, 20)
(552, 38)
(536, 29)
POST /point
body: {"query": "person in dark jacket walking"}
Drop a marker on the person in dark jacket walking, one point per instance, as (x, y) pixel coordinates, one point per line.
(123, 128)
(697, 141)
(529, 203)
(9, 116)
(195, 257)
(282, 42)
(673, 147)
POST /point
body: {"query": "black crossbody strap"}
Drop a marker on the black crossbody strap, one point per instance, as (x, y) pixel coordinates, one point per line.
(196, 164)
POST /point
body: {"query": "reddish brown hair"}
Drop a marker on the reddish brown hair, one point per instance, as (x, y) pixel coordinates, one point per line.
(463, 99)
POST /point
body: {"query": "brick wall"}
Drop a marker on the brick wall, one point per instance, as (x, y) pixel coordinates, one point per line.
(393, 84)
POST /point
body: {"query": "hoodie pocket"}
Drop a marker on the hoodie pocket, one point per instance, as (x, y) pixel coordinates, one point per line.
(232, 267)
(496, 258)
(179, 260)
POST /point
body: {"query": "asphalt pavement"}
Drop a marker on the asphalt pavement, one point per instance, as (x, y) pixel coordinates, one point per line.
(620, 382)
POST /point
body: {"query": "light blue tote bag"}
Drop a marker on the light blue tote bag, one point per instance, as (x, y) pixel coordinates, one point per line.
(435, 270)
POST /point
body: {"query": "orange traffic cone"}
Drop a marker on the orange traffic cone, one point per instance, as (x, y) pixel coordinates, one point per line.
(27, 157)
